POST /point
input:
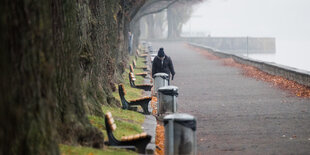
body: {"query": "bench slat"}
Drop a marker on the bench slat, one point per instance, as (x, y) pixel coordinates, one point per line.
(140, 99)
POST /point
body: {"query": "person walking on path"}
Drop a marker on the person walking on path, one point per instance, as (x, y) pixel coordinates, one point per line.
(163, 64)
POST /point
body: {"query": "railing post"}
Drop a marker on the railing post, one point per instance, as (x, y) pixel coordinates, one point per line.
(180, 134)
(167, 100)
(160, 80)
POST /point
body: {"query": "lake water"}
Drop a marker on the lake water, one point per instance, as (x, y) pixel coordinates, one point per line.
(289, 53)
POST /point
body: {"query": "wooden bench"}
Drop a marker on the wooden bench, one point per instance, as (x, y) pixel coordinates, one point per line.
(144, 74)
(132, 79)
(134, 64)
(139, 141)
(143, 102)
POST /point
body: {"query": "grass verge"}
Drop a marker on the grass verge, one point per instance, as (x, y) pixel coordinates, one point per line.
(132, 93)
(127, 122)
(79, 150)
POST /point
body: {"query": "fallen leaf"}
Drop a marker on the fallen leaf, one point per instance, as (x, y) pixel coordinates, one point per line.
(250, 71)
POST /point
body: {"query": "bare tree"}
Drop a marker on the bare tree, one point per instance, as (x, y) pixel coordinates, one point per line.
(149, 7)
(160, 23)
(178, 12)
(177, 15)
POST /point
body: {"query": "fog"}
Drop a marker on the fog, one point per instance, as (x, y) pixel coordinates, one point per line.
(286, 20)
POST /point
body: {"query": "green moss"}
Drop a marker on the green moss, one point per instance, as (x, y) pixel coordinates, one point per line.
(140, 62)
(125, 114)
(127, 122)
(131, 93)
(79, 150)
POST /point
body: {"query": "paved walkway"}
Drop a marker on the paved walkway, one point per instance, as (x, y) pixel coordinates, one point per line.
(237, 114)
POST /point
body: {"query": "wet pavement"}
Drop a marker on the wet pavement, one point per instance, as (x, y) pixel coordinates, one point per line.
(237, 114)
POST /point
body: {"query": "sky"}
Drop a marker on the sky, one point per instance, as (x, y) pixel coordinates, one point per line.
(262, 18)
(286, 20)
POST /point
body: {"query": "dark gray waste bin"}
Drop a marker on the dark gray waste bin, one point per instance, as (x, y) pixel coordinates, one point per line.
(160, 80)
(167, 100)
(180, 134)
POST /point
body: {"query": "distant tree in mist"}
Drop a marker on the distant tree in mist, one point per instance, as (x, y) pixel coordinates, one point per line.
(159, 24)
(154, 25)
(177, 15)
(174, 17)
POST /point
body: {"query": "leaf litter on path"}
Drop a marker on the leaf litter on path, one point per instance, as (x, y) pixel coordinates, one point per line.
(253, 72)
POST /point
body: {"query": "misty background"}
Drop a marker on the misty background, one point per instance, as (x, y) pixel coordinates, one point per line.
(286, 20)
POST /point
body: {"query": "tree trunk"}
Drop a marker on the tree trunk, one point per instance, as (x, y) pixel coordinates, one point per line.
(135, 27)
(27, 78)
(76, 52)
(150, 26)
(57, 63)
(58, 59)
(172, 25)
(159, 21)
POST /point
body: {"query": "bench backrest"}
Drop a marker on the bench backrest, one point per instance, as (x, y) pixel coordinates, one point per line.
(122, 93)
(132, 76)
(121, 90)
(132, 79)
(134, 63)
(111, 121)
(131, 68)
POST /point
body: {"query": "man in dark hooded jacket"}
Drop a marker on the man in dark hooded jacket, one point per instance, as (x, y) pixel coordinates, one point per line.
(162, 64)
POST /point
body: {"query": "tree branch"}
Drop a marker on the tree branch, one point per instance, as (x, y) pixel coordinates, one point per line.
(156, 11)
(151, 2)
(146, 5)
(136, 9)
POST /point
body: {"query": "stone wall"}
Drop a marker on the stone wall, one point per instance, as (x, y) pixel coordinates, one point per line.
(238, 44)
(300, 76)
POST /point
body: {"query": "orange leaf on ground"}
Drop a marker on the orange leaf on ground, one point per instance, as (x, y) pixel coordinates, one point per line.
(160, 140)
(250, 71)
(160, 131)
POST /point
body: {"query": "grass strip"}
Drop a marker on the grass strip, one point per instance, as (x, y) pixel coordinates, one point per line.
(127, 122)
(80, 150)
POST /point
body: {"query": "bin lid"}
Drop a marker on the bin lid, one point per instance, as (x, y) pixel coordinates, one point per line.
(183, 119)
(161, 75)
(169, 90)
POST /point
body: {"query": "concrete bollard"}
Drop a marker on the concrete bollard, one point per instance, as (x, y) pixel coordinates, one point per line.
(180, 134)
(160, 80)
(167, 100)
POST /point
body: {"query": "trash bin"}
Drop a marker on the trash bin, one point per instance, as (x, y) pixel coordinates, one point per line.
(160, 80)
(180, 134)
(167, 100)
